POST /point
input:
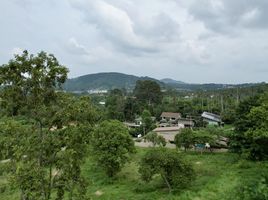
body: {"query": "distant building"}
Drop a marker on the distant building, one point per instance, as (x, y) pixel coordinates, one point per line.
(185, 123)
(168, 133)
(138, 120)
(211, 118)
(170, 117)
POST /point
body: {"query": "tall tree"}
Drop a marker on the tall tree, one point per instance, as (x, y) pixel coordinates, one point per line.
(147, 122)
(112, 146)
(148, 91)
(115, 105)
(49, 154)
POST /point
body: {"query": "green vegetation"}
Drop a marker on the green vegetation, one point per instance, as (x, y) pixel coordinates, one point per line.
(171, 167)
(112, 146)
(184, 139)
(250, 137)
(218, 176)
(155, 139)
(107, 81)
(57, 146)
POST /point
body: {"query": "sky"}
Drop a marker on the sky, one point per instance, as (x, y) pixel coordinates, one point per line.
(195, 41)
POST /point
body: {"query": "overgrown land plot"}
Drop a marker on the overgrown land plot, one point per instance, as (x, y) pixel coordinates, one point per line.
(219, 176)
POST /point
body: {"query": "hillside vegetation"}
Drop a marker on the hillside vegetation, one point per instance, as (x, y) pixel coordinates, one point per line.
(104, 81)
(112, 80)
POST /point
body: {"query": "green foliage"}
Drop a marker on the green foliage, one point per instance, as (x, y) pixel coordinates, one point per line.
(251, 129)
(148, 91)
(115, 105)
(188, 137)
(185, 138)
(253, 184)
(175, 172)
(131, 108)
(155, 139)
(54, 133)
(147, 122)
(109, 80)
(207, 135)
(29, 81)
(112, 145)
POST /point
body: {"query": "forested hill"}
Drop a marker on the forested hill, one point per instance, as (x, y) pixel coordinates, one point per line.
(109, 80)
(112, 80)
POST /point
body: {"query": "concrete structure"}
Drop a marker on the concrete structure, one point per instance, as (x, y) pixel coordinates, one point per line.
(168, 133)
(185, 123)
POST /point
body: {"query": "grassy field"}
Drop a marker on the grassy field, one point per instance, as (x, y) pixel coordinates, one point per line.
(219, 176)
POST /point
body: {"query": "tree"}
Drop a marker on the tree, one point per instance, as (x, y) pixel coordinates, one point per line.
(147, 122)
(185, 138)
(257, 134)
(148, 91)
(243, 123)
(175, 172)
(115, 105)
(56, 133)
(112, 146)
(156, 139)
(130, 109)
(29, 82)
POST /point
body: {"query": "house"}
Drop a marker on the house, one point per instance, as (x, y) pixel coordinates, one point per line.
(138, 121)
(185, 123)
(170, 117)
(168, 133)
(211, 118)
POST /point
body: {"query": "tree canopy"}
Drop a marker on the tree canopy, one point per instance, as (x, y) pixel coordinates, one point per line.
(148, 91)
(175, 172)
(112, 146)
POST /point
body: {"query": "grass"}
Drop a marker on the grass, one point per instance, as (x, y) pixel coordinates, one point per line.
(218, 177)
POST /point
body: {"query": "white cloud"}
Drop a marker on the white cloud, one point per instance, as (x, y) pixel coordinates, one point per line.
(77, 48)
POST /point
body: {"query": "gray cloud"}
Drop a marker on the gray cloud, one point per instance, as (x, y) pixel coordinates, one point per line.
(188, 40)
(229, 15)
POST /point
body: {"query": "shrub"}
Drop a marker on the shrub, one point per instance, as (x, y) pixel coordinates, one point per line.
(175, 172)
(112, 146)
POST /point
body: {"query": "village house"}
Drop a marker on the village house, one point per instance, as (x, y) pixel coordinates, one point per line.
(185, 123)
(212, 119)
(169, 117)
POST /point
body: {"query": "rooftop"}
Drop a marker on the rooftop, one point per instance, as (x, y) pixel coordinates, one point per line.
(171, 115)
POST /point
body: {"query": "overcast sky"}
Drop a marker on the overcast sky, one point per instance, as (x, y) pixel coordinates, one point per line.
(197, 41)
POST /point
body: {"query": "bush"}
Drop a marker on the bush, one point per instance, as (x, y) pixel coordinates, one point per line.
(185, 138)
(155, 139)
(112, 146)
(175, 172)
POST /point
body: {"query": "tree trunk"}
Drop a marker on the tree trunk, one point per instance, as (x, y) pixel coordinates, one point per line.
(167, 183)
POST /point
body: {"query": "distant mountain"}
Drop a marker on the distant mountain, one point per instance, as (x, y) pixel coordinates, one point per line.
(112, 80)
(171, 81)
(104, 81)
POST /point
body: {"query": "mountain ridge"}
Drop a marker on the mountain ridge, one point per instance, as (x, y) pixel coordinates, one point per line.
(112, 80)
